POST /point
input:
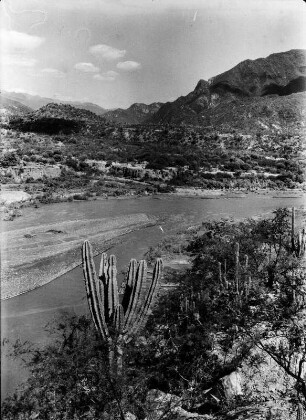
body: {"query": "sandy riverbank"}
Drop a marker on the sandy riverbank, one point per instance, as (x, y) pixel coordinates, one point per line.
(34, 256)
(194, 192)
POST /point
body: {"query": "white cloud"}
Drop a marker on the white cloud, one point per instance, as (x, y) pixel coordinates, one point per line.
(16, 46)
(129, 65)
(106, 52)
(54, 72)
(108, 76)
(111, 73)
(86, 67)
(14, 42)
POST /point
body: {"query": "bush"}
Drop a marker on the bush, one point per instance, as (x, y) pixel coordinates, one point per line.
(9, 159)
(45, 125)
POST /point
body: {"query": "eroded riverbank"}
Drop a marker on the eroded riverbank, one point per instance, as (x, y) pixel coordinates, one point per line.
(34, 256)
(45, 243)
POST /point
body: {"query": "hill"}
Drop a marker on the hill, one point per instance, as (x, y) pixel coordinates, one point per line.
(65, 111)
(135, 114)
(251, 87)
(59, 118)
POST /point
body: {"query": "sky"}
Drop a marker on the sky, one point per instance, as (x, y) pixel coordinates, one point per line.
(118, 52)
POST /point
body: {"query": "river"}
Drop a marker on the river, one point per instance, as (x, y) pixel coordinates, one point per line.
(24, 317)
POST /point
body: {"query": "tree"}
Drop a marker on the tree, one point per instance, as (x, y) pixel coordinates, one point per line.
(233, 302)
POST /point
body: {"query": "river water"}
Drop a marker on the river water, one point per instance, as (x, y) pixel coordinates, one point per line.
(24, 317)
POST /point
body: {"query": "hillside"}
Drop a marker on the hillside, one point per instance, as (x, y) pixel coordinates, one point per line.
(253, 87)
(135, 114)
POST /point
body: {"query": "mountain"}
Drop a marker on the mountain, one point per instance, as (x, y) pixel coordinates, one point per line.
(35, 102)
(9, 108)
(12, 107)
(251, 88)
(135, 114)
(281, 73)
(89, 106)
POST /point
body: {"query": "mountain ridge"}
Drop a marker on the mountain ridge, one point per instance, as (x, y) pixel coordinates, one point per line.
(137, 113)
(280, 74)
(35, 102)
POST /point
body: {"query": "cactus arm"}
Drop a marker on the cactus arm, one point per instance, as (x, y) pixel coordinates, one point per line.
(95, 293)
(127, 285)
(112, 287)
(142, 315)
(103, 267)
(134, 303)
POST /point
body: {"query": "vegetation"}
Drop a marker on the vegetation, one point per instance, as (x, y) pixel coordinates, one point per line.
(45, 125)
(243, 301)
(166, 156)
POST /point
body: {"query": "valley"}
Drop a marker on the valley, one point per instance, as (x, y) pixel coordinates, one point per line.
(241, 130)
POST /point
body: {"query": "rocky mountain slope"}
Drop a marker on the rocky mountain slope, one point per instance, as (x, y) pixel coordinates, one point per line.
(281, 73)
(35, 102)
(254, 87)
(136, 114)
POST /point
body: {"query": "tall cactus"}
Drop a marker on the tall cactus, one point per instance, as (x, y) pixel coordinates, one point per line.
(117, 323)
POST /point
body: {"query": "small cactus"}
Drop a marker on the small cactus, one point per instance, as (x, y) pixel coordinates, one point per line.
(298, 246)
(117, 323)
(292, 229)
(246, 262)
(300, 412)
(225, 275)
(220, 274)
(237, 267)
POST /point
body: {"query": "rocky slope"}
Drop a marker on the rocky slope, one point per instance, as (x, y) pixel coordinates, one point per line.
(135, 114)
(251, 87)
